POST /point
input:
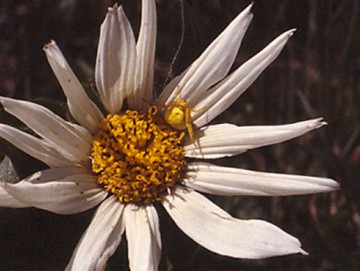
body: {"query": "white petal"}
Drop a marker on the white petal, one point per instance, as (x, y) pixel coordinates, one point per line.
(145, 47)
(169, 88)
(214, 63)
(143, 235)
(61, 190)
(33, 146)
(221, 96)
(72, 141)
(219, 232)
(228, 181)
(101, 238)
(221, 140)
(6, 200)
(81, 107)
(116, 60)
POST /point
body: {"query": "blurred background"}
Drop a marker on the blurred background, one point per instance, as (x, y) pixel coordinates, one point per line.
(317, 74)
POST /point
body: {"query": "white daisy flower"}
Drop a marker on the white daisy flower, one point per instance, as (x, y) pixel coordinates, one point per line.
(136, 154)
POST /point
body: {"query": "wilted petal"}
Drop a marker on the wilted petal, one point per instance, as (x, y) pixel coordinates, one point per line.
(221, 96)
(221, 233)
(228, 181)
(71, 140)
(143, 235)
(116, 60)
(81, 107)
(101, 238)
(6, 200)
(213, 64)
(221, 140)
(145, 47)
(33, 146)
(60, 190)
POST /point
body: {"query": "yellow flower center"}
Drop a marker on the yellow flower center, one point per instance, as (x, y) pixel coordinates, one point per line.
(137, 157)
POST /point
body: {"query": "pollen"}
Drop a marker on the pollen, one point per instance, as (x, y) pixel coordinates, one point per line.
(137, 157)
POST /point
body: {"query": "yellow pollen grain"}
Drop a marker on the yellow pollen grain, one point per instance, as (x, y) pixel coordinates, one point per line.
(136, 158)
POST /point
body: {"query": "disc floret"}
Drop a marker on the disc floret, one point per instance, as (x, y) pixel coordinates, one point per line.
(137, 158)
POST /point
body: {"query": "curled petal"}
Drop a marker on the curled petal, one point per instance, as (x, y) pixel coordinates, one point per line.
(216, 230)
(213, 64)
(33, 146)
(224, 94)
(145, 48)
(72, 141)
(116, 60)
(143, 235)
(228, 181)
(6, 200)
(221, 140)
(60, 190)
(81, 107)
(101, 238)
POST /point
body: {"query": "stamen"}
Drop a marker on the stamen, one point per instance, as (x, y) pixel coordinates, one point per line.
(137, 158)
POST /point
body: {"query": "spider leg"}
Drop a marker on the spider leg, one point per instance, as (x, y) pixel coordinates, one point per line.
(188, 124)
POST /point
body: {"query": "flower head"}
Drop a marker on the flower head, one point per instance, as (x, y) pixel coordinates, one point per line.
(136, 152)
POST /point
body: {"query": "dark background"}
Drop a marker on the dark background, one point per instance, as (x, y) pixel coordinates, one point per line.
(317, 74)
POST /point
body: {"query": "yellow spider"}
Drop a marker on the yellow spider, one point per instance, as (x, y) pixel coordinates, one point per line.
(177, 115)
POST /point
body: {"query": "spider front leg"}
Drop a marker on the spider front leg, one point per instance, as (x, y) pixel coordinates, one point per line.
(188, 123)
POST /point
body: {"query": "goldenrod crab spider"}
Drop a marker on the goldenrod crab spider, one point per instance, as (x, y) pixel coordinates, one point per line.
(178, 115)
